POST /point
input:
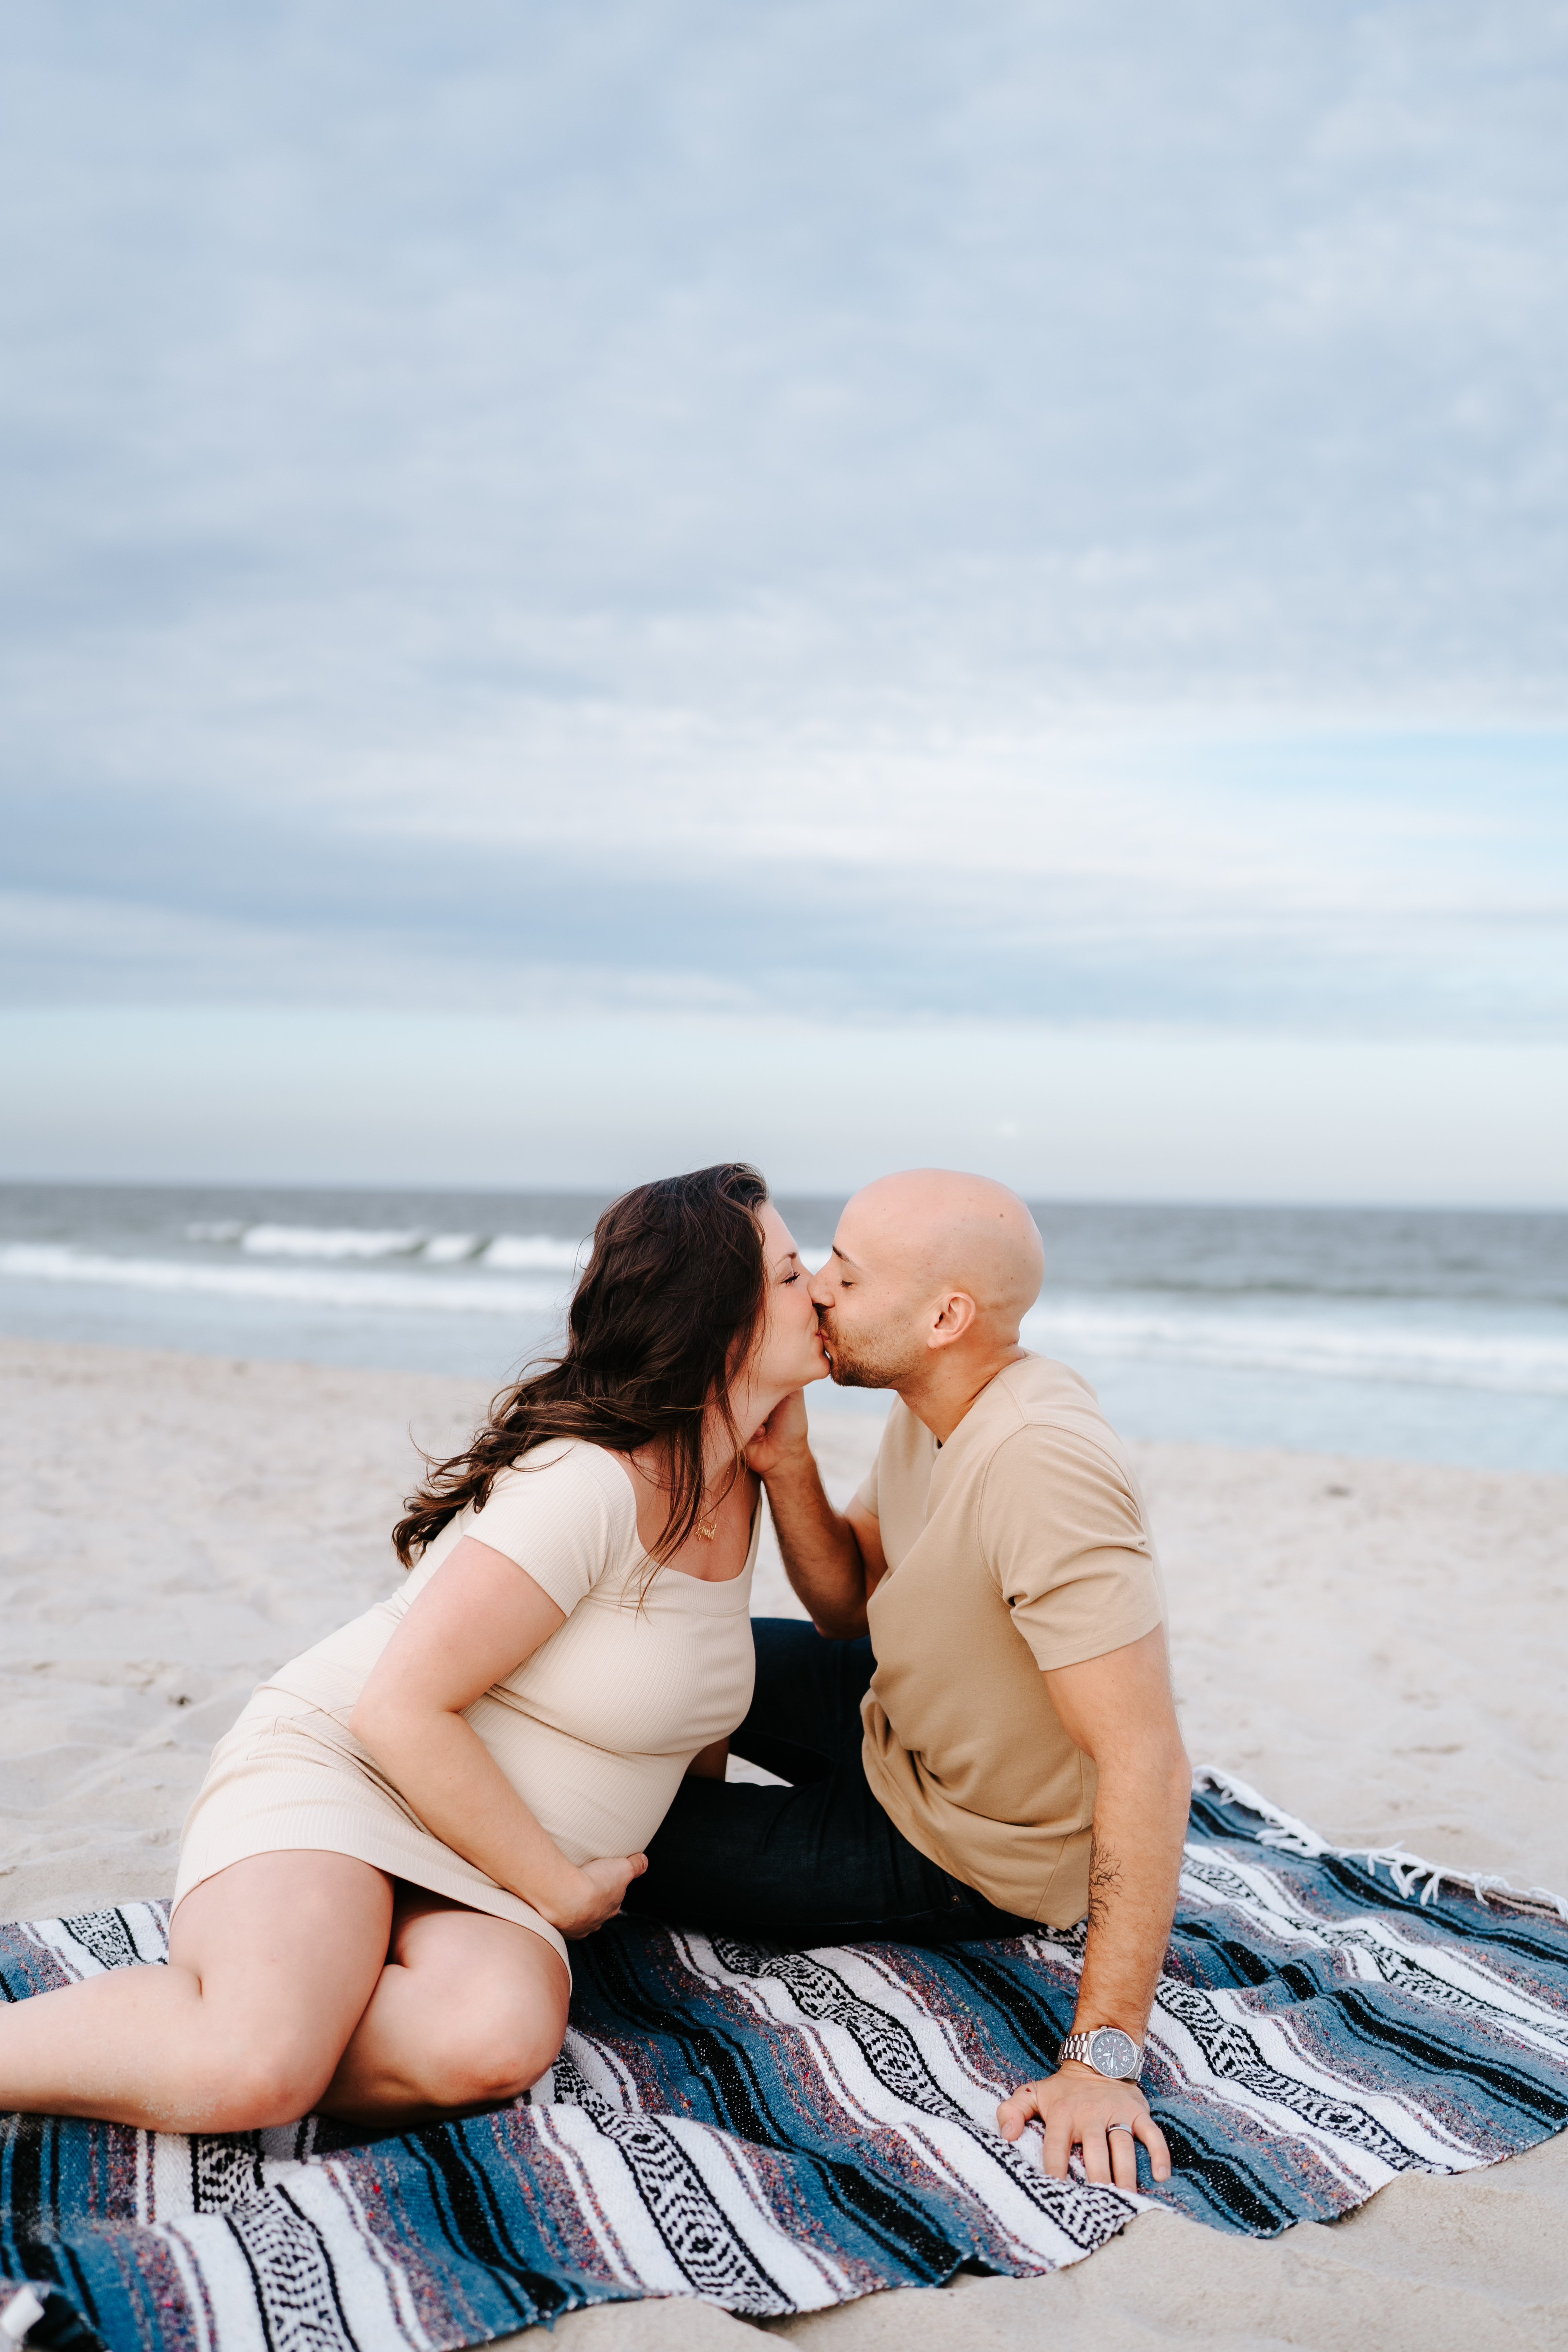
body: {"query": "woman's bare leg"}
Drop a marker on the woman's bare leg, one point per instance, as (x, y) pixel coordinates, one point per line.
(468, 2013)
(270, 1965)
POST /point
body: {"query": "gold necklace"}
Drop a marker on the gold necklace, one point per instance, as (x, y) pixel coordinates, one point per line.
(709, 1528)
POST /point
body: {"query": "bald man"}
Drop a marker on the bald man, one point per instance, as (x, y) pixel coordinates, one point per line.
(985, 1743)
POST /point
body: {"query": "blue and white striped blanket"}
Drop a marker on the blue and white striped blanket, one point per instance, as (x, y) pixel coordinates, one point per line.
(778, 2132)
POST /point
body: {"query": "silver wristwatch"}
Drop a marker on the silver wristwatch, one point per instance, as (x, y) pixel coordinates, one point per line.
(1108, 2050)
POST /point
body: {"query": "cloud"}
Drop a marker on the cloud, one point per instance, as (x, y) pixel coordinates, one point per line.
(1046, 882)
(907, 513)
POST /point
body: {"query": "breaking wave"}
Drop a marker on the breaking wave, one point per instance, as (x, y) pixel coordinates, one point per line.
(426, 1294)
(1323, 1345)
(506, 1253)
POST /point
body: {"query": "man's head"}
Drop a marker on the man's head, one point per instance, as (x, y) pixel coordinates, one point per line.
(928, 1265)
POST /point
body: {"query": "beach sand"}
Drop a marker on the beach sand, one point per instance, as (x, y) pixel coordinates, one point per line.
(1377, 1646)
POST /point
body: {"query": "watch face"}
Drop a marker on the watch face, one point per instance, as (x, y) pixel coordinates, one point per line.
(1113, 2053)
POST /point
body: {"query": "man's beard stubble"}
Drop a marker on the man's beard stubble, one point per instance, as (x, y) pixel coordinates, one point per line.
(861, 1368)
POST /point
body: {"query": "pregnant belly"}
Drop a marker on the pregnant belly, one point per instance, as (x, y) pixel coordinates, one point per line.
(591, 1802)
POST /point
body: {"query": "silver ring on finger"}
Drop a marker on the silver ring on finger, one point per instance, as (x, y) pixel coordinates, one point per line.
(1126, 2128)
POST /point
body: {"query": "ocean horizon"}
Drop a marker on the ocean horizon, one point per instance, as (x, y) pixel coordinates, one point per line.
(1437, 1335)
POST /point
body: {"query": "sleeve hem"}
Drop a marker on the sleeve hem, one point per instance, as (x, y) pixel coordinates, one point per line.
(1095, 1645)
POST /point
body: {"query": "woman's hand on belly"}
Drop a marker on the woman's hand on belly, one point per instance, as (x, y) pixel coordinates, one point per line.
(474, 1623)
(596, 1897)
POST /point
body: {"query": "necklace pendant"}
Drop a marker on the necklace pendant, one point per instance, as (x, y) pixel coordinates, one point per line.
(710, 1529)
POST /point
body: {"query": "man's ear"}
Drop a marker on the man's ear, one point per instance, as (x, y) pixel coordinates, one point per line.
(955, 1315)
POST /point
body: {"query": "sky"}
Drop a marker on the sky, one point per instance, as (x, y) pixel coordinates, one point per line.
(849, 584)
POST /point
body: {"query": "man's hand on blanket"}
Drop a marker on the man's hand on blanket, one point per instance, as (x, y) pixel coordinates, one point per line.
(591, 1893)
(1077, 2108)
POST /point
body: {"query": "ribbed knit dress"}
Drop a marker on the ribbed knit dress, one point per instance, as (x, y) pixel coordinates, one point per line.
(593, 1731)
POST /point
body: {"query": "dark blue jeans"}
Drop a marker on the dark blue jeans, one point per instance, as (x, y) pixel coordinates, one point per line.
(819, 1862)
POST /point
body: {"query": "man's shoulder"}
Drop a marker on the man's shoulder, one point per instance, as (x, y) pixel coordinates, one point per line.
(1045, 1446)
(1037, 1406)
(1038, 1385)
(1056, 1464)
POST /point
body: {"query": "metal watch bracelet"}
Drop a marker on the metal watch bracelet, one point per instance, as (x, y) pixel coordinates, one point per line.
(1107, 2049)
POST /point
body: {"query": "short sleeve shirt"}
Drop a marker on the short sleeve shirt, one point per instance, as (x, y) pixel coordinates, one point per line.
(565, 1513)
(1022, 1544)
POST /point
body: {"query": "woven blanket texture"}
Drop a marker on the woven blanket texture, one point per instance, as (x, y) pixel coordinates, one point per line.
(776, 2131)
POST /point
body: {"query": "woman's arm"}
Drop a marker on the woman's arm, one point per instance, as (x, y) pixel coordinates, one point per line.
(476, 1620)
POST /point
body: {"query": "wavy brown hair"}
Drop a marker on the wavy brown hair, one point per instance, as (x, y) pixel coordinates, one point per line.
(663, 1316)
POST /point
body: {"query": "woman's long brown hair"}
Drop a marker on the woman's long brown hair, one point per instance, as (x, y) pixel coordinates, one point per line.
(662, 1319)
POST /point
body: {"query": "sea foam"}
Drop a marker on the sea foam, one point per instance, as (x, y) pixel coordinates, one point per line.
(428, 1294)
(519, 1253)
(326, 1241)
(1323, 1344)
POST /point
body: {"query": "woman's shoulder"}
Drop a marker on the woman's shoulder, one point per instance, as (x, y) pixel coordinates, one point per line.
(564, 1512)
(561, 1469)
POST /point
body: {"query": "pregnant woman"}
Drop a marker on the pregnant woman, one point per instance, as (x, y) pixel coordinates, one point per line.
(392, 1847)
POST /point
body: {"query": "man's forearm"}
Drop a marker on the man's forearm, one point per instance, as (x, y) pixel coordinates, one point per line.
(1117, 1708)
(821, 1557)
(1140, 1825)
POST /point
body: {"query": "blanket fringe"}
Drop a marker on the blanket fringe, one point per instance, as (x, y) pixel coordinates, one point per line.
(1407, 1870)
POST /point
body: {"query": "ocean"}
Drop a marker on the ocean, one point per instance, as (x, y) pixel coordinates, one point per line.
(1433, 1335)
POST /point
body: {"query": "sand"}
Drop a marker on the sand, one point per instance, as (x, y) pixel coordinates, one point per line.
(1378, 1646)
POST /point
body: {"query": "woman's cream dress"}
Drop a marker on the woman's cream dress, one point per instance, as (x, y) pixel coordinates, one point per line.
(593, 1731)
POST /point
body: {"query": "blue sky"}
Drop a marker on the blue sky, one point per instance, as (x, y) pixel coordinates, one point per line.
(800, 546)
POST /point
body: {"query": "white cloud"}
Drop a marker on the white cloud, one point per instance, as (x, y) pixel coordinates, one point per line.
(1031, 512)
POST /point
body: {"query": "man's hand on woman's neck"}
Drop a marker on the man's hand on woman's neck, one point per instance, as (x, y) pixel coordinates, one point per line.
(750, 1408)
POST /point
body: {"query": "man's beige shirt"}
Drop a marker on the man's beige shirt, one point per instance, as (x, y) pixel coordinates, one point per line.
(1021, 1544)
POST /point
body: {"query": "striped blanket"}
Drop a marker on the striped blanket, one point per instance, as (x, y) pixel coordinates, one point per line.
(779, 2131)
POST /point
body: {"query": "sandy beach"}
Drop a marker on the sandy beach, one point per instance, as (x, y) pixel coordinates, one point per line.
(1377, 1646)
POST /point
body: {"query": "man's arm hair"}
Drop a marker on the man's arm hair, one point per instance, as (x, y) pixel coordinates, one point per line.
(1119, 1711)
(833, 1559)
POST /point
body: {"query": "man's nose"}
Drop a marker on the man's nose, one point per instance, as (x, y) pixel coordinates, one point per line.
(820, 1293)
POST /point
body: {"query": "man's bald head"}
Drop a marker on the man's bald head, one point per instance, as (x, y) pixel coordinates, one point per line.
(948, 1230)
(930, 1259)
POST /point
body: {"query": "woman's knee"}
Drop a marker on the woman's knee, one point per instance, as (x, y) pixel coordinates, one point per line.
(494, 2052)
(251, 2090)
